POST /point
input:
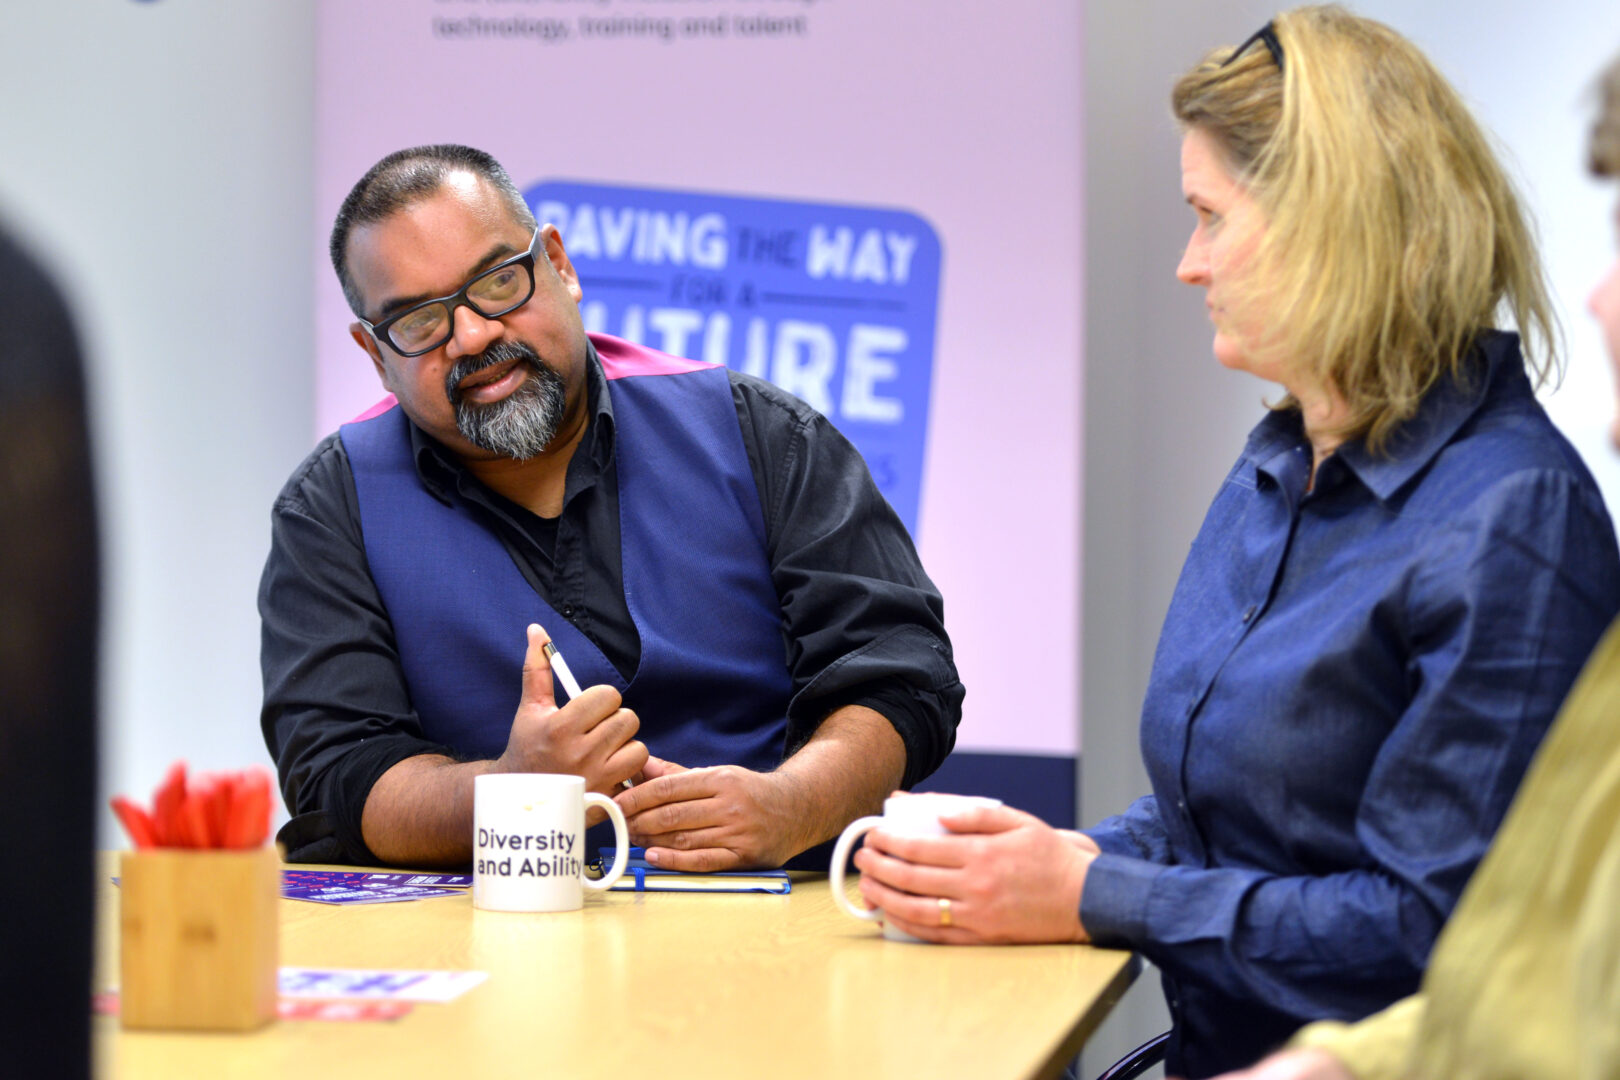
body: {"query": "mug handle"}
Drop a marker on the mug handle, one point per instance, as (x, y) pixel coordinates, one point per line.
(840, 856)
(621, 837)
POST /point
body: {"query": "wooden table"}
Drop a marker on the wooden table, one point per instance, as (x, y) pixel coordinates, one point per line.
(656, 985)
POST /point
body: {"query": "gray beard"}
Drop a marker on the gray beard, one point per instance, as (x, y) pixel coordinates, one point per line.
(522, 424)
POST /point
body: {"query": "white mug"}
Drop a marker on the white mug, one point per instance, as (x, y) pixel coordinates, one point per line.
(529, 842)
(903, 815)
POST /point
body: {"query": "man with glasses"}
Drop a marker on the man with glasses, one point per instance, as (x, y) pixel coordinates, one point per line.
(762, 654)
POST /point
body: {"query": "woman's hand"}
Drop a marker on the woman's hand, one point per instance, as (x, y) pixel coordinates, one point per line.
(1007, 875)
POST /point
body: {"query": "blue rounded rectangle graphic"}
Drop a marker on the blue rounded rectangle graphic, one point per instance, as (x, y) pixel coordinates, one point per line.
(833, 303)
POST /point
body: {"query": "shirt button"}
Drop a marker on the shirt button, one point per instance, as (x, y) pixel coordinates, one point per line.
(568, 611)
(1249, 614)
(1181, 804)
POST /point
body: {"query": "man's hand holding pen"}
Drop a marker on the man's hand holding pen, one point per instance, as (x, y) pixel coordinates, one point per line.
(591, 736)
(720, 817)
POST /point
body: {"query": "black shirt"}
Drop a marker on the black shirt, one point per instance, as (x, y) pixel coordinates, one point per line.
(337, 714)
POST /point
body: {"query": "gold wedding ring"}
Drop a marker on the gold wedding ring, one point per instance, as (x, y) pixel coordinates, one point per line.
(944, 912)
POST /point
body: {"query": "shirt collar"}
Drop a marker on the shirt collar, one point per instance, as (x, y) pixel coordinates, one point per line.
(1494, 362)
(442, 473)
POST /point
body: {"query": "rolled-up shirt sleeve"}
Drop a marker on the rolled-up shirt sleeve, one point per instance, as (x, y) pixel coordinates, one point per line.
(1496, 625)
(863, 623)
(336, 712)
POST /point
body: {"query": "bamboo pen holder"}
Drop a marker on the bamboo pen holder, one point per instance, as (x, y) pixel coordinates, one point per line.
(198, 944)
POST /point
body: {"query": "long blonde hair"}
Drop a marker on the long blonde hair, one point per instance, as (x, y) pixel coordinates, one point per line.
(1393, 234)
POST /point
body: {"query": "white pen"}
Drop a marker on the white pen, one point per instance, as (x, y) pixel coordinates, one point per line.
(559, 668)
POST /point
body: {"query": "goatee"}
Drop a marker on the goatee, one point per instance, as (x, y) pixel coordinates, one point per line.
(523, 423)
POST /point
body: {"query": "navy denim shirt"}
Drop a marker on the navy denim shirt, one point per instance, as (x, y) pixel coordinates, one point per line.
(1348, 688)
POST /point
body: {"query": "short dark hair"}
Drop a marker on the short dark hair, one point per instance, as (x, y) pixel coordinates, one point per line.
(405, 177)
(1605, 148)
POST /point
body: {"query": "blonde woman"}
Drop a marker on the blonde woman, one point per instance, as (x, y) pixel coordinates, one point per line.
(1522, 982)
(1389, 597)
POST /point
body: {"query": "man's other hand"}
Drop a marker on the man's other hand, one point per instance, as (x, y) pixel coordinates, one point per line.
(591, 736)
(724, 817)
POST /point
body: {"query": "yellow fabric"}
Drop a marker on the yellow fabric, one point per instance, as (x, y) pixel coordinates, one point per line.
(1376, 1047)
(1525, 980)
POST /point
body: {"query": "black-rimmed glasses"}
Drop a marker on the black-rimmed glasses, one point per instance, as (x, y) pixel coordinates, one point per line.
(423, 327)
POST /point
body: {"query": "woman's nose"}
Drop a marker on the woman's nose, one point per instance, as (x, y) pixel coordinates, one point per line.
(1194, 266)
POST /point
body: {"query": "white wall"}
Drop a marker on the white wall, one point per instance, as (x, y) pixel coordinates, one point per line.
(158, 156)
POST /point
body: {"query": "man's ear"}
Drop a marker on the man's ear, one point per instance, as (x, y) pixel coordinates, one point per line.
(362, 337)
(552, 239)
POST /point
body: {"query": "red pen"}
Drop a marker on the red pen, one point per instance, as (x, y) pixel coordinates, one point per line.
(166, 808)
(136, 822)
(249, 820)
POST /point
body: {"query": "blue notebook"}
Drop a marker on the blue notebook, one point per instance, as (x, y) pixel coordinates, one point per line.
(639, 877)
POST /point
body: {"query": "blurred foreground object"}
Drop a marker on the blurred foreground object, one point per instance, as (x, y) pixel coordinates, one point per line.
(49, 599)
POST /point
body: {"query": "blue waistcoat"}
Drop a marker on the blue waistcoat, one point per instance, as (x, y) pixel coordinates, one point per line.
(712, 686)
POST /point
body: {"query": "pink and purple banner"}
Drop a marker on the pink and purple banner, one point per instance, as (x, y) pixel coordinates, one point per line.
(874, 204)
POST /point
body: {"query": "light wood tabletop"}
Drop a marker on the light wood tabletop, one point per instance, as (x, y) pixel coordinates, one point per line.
(655, 984)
